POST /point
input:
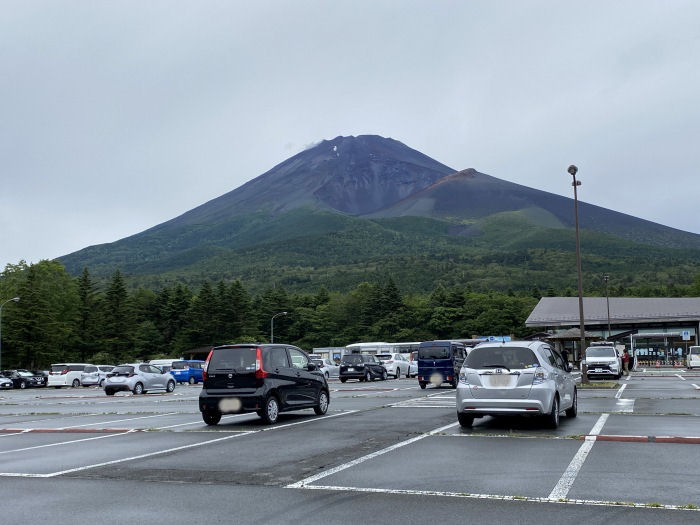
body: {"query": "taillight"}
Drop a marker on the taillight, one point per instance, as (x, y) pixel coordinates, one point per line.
(260, 372)
(540, 376)
(64, 371)
(205, 366)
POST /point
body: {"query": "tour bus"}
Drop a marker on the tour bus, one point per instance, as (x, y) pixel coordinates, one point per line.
(381, 348)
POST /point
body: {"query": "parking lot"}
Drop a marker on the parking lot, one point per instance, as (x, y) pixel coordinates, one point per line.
(385, 450)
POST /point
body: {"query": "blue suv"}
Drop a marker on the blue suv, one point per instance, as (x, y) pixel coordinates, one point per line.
(187, 371)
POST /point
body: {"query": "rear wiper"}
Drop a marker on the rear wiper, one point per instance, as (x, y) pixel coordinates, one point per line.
(496, 366)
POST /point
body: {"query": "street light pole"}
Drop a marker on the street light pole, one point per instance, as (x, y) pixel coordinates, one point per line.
(606, 277)
(272, 326)
(584, 368)
(14, 299)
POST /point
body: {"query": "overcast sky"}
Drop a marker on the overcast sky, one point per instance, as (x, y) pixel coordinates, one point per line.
(117, 116)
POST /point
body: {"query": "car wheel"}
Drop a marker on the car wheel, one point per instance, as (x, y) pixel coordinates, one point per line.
(192, 381)
(22, 385)
(552, 419)
(368, 376)
(384, 376)
(343, 379)
(211, 418)
(57, 387)
(109, 391)
(170, 387)
(422, 385)
(408, 374)
(138, 389)
(571, 412)
(76, 383)
(465, 420)
(322, 406)
(270, 411)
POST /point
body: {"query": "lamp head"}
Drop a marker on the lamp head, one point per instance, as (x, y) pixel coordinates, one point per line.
(572, 170)
(15, 299)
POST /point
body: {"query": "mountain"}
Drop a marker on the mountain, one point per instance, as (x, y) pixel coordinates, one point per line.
(352, 207)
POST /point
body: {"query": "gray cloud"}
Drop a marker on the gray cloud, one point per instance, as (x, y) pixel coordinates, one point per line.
(118, 116)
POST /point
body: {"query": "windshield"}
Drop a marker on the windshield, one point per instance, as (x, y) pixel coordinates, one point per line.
(352, 359)
(512, 357)
(434, 352)
(239, 359)
(122, 370)
(694, 350)
(602, 351)
(24, 373)
(105, 368)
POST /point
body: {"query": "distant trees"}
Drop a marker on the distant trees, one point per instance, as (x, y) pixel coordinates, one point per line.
(64, 318)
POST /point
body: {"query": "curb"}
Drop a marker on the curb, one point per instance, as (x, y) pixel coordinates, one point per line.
(688, 440)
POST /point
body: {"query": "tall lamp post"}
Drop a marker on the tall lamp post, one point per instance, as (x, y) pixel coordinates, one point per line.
(272, 326)
(606, 278)
(576, 183)
(14, 299)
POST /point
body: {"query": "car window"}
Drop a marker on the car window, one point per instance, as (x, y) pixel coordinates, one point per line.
(180, 365)
(434, 352)
(299, 359)
(277, 357)
(384, 357)
(352, 359)
(145, 369)
(559, 359)
(512, 357)
(549, 356)
(155, 369)
(90, 369)
(76, 368)
(123, 370)
(694, 350)
(601, 351)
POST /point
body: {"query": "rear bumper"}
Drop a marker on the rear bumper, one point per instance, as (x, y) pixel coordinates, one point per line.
(537, 402)
(352, 375)
(232, 403)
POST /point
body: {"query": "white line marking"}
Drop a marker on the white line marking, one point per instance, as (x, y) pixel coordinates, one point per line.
(679, 377)
(696, 386)
(117, 420)
(629, 376)
(376, 393)
(561, 489)
(65, 442)
(362, 459)
(159, 452)
(619, 392)
(528, 499)
(15, 433)
(644, 370)
(625, 406)
(200, 422)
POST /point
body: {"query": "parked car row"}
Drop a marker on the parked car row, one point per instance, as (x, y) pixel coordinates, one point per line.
(138, 378)
(21, 378)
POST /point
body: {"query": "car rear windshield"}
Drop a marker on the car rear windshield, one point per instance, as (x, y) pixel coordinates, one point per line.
(352, 359)
(105, 368)
(122, 370)
(59, 368)
(180, 365)
(434, 352)
(384, 357)
(512, 357)
(237, 359)
(601, 351)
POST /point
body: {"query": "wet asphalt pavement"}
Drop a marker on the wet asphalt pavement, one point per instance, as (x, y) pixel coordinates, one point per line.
(385, 452)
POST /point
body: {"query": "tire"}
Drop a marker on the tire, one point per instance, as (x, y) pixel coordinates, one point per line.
(211, 418)
(57, 387)
(76, 383)
(192, 381)
(422, 385)
(571, 412)
(552, 419)
(384, 375)
(170, 386)
(408, 374)
(138, 389)
(322, 406)
(368, 376)
(271, 411)
(22, 385)
(465, 421)
(109, 392)
(343, 379)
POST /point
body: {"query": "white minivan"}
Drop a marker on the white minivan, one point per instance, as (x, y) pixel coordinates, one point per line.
(164, 364)
(66, 374)
(692, 360)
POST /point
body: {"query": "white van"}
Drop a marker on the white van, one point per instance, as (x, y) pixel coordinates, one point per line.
(164, 364)
(692, 360)
(66, 374)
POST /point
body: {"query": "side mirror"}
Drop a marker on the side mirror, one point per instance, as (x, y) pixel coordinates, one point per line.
(311, 367)
(569, 368)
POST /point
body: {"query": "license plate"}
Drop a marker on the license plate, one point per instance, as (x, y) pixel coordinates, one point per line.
(499, 380)
(598, 369)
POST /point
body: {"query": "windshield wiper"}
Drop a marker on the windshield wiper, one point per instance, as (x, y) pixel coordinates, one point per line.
(496, 366)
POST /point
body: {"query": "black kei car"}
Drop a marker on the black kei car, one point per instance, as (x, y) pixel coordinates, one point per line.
(24, 378)
(364, 367)
(263, 378)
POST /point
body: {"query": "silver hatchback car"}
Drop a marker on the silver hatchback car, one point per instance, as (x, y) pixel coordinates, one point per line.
(515, 378)
(138, 378)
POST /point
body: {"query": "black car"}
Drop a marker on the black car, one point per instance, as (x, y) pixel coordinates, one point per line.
(24, 378)
(43, 375)
(263, 378)
(365, 367)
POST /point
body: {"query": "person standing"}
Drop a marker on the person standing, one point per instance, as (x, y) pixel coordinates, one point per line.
(626, 361)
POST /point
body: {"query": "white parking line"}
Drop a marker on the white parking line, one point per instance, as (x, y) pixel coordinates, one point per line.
(629, 376)
(304, 482)
(117, 420)
(679, 377)
(696, 386)
(65, 442)
(15, 433)
(561, 489)
(200, 422)
(619, 392)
